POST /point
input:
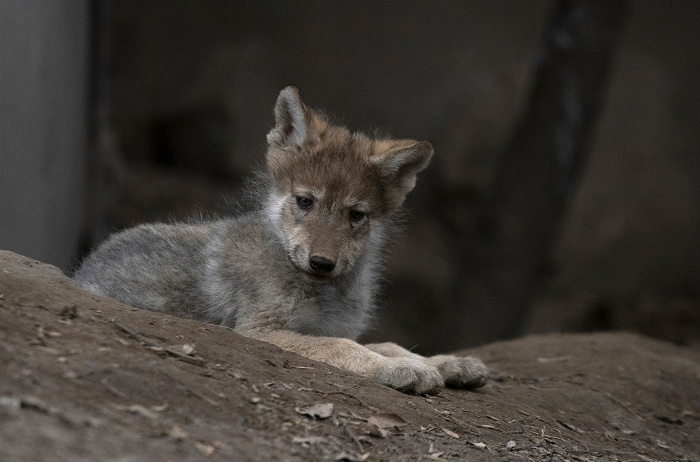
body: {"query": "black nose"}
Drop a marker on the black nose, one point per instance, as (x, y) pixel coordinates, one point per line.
(321, 264)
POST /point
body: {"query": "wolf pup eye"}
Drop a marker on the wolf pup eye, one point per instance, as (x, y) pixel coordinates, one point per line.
(304, 202)
(356, 216)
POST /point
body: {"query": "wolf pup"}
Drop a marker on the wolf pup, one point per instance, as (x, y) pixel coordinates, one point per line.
(302, 272)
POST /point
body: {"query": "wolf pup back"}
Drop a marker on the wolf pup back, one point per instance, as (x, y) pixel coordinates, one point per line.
(302, 271)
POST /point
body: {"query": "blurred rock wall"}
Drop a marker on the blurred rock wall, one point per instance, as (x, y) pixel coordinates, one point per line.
(190, 88)
(44, 54)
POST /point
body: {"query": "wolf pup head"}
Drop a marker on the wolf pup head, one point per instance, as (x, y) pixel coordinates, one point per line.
(332, 190)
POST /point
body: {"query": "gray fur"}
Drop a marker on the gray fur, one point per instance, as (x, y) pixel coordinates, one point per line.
(256, 274)
(214, 271)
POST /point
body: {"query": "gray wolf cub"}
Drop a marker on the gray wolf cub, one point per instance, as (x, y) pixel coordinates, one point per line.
(302, 272)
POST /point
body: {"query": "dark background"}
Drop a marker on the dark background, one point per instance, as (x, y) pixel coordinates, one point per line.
(565, 191)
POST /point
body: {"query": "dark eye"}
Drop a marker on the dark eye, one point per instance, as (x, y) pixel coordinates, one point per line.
(304, 202)
(356, 215)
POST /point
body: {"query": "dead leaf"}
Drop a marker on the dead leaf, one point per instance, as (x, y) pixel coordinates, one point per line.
(374, 430)
(178, 433)
(449, 432)
(386, 420)
(306, 440)
(137, 409)
(31, 402)
(47, 350)
(205, 448)
(662, 444)
(317, 411)
(344, 456)
(236, 374)
(378, 424)
(188, 349)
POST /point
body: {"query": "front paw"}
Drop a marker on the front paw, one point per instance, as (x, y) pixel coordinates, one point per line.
(460, 372)
(410, 376)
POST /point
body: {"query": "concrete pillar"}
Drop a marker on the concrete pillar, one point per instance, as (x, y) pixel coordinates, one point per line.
(43, 109)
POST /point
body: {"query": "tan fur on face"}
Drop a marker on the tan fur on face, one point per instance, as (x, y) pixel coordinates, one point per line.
(336, 174)
(340, 171)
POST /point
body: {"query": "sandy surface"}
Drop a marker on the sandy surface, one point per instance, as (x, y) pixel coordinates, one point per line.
(83, 378)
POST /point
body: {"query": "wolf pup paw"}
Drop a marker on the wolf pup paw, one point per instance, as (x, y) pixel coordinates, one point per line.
(411, 376)
(460, 372)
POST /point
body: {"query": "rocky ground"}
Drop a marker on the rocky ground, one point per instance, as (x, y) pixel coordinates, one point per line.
(84, 378)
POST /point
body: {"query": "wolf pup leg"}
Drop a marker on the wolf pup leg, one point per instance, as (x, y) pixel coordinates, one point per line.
(456, 371)
(405, 373)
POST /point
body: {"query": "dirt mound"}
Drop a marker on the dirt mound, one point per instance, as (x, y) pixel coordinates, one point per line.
(87, 378)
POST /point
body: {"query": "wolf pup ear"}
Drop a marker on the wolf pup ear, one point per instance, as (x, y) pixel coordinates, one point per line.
(399, 162)
(295, 123)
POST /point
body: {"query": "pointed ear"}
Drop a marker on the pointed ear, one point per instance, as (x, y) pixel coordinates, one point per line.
(295, 123)
(399, 162)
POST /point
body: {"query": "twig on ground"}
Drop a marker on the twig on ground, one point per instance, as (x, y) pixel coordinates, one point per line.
(355, 439)
(196, 360)
(350, 395)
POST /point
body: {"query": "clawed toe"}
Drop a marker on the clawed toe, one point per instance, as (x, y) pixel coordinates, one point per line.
(459, 382)
(459, 372)
(411, 376)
